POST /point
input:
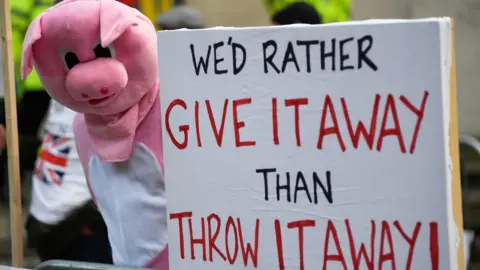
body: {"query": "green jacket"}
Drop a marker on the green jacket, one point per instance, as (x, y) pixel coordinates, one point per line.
(330, 10)
(22, 14)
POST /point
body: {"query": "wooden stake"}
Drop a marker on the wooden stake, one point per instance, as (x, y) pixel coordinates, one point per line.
(16, 222)
(455, 156)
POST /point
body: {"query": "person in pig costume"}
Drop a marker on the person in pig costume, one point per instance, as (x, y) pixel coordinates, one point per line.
(99, 58)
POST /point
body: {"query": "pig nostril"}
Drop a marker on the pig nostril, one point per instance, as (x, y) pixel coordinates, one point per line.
(104, 90)
(84, 95)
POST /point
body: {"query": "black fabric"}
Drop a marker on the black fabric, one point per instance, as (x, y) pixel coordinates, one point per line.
(67, 239)
(91, 248)
(31, 110)
(28, 147)
(467, 215)
(297, 13)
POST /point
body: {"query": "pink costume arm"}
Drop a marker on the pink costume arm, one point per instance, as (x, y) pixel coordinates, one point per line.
(82, 142)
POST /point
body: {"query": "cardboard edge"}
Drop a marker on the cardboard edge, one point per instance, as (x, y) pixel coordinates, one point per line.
(455, 157)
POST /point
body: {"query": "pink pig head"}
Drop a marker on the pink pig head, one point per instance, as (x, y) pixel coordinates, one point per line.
(97, 57)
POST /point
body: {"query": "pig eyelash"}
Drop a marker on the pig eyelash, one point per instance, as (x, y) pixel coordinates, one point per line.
(108, 52)
(69, 59)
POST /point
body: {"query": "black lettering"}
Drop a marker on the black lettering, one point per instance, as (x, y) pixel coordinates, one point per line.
(304, 187)
(326, 191)
(238, 67)
(286, 186)
(300, 185)
(343, 55)
(289, 57)
(324, 55)
(307, 44)
(217, 61)
(362, 52)
(265, 179)
(203, 62)
(269, 59)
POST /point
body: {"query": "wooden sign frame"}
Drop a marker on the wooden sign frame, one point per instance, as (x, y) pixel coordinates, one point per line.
(455, 156)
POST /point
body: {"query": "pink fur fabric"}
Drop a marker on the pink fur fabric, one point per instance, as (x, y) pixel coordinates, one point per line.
(99, 58)
(110, 91)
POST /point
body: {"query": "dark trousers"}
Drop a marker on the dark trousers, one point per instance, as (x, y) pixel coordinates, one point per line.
(69, 240)
(91, 248)
(30, 112)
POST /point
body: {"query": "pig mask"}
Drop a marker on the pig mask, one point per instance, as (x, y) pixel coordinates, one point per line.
(99, 58)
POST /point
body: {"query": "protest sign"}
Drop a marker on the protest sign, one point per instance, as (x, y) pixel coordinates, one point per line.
(312, 147)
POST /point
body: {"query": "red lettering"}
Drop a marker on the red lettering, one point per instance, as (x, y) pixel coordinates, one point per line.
(235, 243)
(296, 103)
(369, 136)
(390, 256)
(212, 239)
(246, 251)
(198, 241)
(356, 257)
(197, 125)
(410, 240)
(217, 132)
(419, 113)
(278, 237)
(300, 225)
(328, 107)
(237, 125)
(180, 216)
(434, 245)
(182, 128)
(395, 131)
(331, 230)
(275, 121)
(231, 224)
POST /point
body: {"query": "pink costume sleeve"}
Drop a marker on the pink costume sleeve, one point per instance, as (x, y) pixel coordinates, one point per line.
(82, 142)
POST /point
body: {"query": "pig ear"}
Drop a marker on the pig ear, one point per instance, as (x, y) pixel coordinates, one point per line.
(34, 33)
(115, 19)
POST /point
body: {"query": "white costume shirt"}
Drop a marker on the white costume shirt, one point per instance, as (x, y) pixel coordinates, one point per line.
(59, 184)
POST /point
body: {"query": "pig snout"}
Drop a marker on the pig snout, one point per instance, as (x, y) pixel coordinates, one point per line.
(96, 80)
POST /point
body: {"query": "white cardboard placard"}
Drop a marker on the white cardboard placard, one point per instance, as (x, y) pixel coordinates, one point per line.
(371, 198)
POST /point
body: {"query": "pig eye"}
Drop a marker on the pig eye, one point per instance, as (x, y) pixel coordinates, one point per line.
(70, 59)
(101, 52)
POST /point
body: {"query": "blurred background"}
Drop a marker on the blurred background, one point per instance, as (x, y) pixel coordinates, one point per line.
(210, 13)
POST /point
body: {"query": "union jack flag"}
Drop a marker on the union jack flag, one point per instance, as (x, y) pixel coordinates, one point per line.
(52, 161)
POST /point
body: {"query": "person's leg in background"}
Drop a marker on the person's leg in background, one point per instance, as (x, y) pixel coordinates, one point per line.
(93, 245)
(31, 110)
(97, 242)
(82, 236)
